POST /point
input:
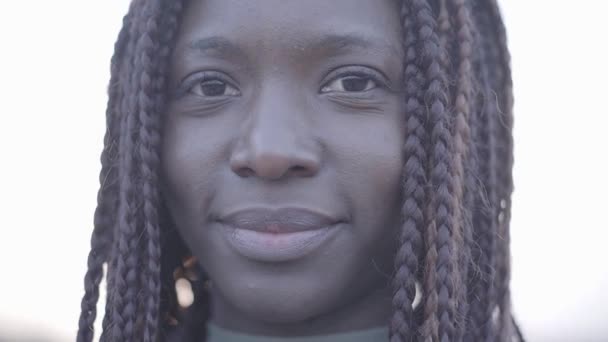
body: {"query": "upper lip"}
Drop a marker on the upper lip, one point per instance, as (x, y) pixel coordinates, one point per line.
(281, 220)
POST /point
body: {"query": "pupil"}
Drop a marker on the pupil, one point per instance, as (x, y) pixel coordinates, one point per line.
(355, 84)
(213, 88)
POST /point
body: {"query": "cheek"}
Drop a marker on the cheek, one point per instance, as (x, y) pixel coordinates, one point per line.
(370, 168)
(190, 162)
(370, 171)
(381, 189)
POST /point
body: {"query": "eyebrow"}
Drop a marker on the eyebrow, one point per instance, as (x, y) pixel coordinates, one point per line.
(353, 41)
(215, 45)
(335, 43)
(344, 41)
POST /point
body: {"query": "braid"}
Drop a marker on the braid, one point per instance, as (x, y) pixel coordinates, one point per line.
(446, 38)
(504, 146)
(131, 290)
(100, 242)
(125, 304)
(106, 198)
(430, 326)
(155, 50)
(121, 306)
(482, 296)
(121, 113)
(403, 324)
(462, 136)
(442, 283)
(149, 115)
(443, 182)
(118, 93)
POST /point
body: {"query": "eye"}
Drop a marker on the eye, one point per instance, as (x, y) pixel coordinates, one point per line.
(350, 84)
(208, 84)
(213, 87)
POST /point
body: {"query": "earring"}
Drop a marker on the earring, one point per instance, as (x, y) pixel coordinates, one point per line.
(190, 266)
(184, 276)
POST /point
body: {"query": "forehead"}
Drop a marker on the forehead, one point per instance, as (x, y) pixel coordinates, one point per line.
(293, 23)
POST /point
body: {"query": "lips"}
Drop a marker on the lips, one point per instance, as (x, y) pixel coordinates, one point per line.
(279, 221)
(277, 235)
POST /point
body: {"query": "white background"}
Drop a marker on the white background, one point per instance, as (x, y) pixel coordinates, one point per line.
(53, 74)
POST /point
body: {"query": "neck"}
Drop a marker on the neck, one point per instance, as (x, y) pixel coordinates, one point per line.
(369, 311)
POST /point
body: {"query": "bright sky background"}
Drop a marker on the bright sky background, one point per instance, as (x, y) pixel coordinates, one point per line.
(53, 75)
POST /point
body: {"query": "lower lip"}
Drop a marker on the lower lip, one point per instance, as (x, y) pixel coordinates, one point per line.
(272, 247)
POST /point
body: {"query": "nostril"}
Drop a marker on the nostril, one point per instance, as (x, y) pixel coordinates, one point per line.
(299, 169)
(244, 172)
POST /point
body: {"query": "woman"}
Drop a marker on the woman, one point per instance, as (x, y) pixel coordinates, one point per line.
(319, 170)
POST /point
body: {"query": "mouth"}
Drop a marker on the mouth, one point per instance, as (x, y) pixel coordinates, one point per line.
(277, 235)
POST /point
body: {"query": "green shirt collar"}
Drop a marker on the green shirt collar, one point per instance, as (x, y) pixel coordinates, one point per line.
(217, 334)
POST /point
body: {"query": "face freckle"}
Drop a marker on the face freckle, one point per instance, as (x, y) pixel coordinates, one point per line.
(282, 157)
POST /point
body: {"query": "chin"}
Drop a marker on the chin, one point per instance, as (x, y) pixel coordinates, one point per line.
(280, 299)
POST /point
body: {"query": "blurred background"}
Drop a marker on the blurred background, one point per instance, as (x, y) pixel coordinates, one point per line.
(53, 74)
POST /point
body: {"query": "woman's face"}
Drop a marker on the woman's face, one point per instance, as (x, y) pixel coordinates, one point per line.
(282, 157)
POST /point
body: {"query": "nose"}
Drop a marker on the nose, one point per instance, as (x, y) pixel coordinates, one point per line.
(276, 142)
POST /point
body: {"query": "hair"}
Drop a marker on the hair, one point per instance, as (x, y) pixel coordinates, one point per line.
(457, 184)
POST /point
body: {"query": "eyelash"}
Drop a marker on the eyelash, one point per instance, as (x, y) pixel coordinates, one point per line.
(356, 71)
(342, 72)
(205, 76)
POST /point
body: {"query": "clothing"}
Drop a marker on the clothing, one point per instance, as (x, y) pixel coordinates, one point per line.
(217, 334)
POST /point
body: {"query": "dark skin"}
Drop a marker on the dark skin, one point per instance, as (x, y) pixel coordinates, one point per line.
(289, 103)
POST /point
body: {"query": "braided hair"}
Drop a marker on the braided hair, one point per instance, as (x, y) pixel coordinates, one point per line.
(457, 183)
